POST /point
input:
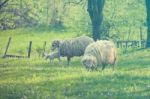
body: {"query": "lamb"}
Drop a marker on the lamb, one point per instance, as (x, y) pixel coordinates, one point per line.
(99, 53)
(52, 56)
(72, 47)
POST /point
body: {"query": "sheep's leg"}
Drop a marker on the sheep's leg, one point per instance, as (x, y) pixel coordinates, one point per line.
(96, 68)
(68, 60)
(59, 59)
(59, 56)
(51, 61)
(114, 64)
(103, 66)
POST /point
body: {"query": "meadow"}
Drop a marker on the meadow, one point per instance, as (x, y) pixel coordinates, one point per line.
(37, 78)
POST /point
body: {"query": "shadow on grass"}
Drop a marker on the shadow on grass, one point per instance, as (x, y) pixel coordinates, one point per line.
(39, 79)
(108, 86)
(87, 85)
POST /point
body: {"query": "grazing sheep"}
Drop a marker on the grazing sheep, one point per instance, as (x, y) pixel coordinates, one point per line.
(72, 47)
(100, 53)
(52, 56)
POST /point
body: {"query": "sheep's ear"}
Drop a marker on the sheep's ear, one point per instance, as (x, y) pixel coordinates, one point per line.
(55, 43)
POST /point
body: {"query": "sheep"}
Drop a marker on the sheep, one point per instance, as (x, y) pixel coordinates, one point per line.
(72, 47)
(52, 56)
(99, 53)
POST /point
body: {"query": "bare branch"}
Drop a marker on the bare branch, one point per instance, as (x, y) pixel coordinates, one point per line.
(3, 3)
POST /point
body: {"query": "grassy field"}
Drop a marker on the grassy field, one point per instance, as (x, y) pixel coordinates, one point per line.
(37, 78)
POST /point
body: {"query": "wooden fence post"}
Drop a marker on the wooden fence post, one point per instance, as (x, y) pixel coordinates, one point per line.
(126, 44)
(29, 50)
(44, 47)
(141, 34)
(9, 40)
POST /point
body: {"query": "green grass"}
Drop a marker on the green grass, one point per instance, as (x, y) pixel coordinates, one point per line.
(21, 37)
(37, 78)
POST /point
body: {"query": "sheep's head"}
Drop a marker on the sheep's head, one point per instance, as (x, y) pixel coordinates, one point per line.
(90, 62)
(55, 44)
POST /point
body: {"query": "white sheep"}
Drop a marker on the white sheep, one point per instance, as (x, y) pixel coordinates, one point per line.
(100, 53)
(52, 56)
(72, 47)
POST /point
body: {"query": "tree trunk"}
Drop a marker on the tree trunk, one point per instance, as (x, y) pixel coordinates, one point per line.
(95, 9)
(148, 23)
(21, 13)
(47, 12)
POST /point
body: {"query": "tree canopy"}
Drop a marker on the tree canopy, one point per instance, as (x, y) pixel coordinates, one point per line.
(119, 16)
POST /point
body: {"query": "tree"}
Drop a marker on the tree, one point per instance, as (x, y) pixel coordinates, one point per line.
(17, 13)
(148, 23)
(95, 9)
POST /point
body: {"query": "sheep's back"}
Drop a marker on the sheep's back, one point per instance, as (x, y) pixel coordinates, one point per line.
(75, 47)
(104, 51)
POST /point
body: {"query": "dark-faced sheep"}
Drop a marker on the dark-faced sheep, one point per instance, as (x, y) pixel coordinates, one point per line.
(72, 47)
(100, 53)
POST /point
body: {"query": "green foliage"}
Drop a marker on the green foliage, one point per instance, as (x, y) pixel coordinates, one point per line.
(77, 19)
(120, 16)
